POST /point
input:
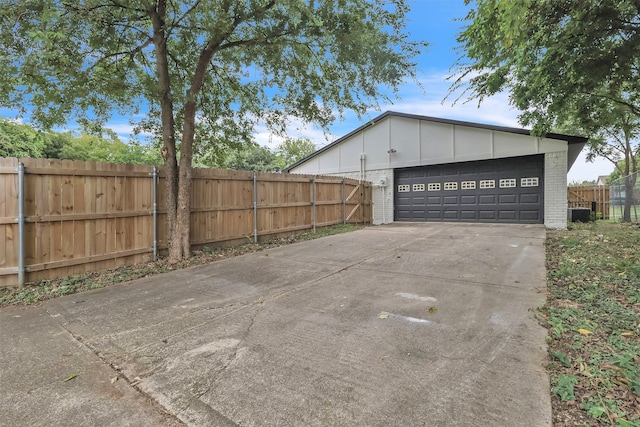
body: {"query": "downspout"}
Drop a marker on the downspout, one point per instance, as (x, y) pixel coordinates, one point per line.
(384, 208)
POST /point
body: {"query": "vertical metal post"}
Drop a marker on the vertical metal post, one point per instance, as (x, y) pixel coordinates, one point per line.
(364, 203)
(344, 204)
(21, 268)
(255, 207)
(313, 203)
(154, 175)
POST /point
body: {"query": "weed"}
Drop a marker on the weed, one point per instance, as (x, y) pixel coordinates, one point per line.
(564, 387)
(562, 358)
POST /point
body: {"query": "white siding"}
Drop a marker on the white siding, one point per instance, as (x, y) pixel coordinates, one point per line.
(376, 145)
(513, 145)
(404, 139)
(436, 141)
(350, 153)
(472, 144)
(330, 162)
(309, 167)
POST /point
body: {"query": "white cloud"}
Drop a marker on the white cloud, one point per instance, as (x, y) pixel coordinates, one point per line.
(296, 129)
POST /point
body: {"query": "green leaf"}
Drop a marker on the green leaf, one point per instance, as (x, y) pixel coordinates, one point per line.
(562, 358)
(564, 387)
(597, 411)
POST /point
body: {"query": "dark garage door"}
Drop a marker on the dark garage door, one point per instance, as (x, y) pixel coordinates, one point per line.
(502, 190)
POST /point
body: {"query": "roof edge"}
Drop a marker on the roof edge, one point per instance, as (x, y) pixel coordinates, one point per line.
(571, 139)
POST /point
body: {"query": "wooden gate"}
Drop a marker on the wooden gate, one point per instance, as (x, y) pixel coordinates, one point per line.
(594, 197)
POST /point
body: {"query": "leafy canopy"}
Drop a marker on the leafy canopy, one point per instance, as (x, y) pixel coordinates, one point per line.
(22, 140)
(271, 60)
(203, 72)
(562, 61)
(292, 150)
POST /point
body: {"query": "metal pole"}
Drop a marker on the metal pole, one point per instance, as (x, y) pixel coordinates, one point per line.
(364, 203)
(255, 207)
(313, 202)
(344, 204)
(21, 268)
(154, 175)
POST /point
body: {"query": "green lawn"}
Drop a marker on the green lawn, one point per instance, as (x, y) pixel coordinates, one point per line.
(615, 213)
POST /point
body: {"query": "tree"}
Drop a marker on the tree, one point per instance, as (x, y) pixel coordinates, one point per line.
(211, 67)
(292, 150)
(253, 157)
(20, 140)
(560, 72)
(110, 149)
(618, 170)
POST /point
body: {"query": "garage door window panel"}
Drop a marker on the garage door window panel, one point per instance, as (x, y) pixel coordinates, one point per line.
(508, 183)
(529, 182)
(450, 186)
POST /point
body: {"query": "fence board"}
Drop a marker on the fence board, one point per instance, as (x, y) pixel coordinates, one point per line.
(586, 196)
(87, 216)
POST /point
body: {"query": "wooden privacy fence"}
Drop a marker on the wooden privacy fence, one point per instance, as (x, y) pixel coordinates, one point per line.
(594, 197)
(61, 217)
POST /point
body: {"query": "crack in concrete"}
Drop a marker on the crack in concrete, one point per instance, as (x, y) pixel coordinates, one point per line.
(230, 360)
(117, 370)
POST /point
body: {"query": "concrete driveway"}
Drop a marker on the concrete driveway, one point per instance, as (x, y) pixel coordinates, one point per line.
(407, 325)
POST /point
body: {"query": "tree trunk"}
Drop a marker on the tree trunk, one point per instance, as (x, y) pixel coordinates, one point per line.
(184, 188)
(169, 154)
(629, 199)
(181, 245)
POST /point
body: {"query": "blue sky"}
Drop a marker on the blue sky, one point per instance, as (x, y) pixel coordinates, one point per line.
(437, 22)
(433, 21)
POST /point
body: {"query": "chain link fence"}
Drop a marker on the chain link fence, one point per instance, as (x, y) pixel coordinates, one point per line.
(625, 198)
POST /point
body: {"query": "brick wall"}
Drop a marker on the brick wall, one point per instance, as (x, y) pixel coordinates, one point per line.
(555, 190)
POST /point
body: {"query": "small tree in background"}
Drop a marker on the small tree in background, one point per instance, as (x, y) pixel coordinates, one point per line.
(292, 150)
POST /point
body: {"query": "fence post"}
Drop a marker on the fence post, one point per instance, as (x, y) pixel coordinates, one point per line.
(313, 203)
(344, 204)
(21, 268)
(154, 176)
(255, 207)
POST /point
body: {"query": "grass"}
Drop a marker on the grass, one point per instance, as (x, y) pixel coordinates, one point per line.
(47, 289)
(593, 317)
(615, 212)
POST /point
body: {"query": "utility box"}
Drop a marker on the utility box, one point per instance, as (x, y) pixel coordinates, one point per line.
(579, 214)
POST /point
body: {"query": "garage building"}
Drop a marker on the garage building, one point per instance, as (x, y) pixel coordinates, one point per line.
(431, 169)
